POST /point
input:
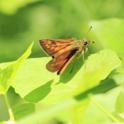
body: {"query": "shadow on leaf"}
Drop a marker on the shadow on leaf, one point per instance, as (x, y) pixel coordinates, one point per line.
(104, 86)
(39, 93)
(72, 69)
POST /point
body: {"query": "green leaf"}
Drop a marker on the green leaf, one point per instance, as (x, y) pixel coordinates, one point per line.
(120, 103)
(99, 65)
(119, 75)
(77, 111)
(43, 115)
(101, 108)
(13, 98)
(2, 122)
(105, 85)
(41, 92)
(113, 123)
(80, 108)
(23, 110)
(34, 74)
(96, 68)
(109, 33)
(11, 6)
(8, 71)
(19, 107)
(4, 114)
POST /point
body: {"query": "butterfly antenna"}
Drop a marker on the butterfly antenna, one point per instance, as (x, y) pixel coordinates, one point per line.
(90, 28)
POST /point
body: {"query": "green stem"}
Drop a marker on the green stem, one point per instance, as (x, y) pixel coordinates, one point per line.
(104, 110)
(9, 108)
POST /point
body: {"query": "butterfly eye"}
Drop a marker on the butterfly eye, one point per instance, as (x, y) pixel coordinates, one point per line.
(85, 42)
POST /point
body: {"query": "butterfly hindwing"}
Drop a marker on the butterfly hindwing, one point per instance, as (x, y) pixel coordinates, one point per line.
(58, 64)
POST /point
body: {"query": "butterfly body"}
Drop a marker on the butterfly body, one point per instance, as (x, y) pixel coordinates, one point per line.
(63, 51)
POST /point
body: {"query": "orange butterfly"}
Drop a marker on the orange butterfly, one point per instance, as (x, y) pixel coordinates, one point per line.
(63, 52)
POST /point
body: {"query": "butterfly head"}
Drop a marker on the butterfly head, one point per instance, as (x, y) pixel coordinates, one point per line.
(86, 42)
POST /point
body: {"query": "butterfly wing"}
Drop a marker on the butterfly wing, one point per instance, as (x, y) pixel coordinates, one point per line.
(53, 47)
(60, 63)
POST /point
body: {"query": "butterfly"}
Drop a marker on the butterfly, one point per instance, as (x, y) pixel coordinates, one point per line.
(63, 51)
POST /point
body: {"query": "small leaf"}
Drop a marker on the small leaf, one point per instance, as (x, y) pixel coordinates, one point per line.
(8, 73)
(120, 103)
(23, 110)
(20, 108)
(40, 92)
(4, 114)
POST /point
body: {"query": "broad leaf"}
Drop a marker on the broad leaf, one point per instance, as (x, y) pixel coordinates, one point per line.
(8, 71)
(96, 68)
(109, 33)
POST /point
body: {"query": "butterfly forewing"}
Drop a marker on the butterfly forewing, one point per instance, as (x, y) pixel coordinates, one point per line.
(54, 46)
(58, 64)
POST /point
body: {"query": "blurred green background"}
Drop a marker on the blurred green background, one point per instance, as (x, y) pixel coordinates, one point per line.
(24, 21)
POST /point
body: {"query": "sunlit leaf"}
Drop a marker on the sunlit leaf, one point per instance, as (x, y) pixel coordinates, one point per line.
(109, 33)
(43, 115)
(77, 111)
(96, 68)
(11, 6)
(23, 110)
(8, 73)
(120, 102)
(4, 113)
